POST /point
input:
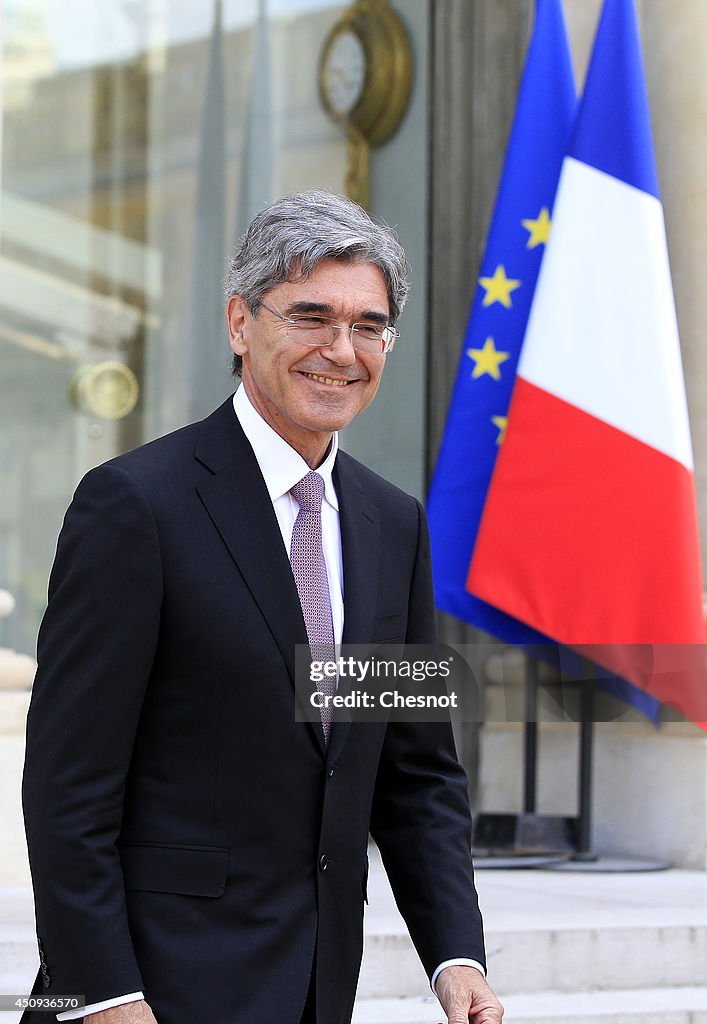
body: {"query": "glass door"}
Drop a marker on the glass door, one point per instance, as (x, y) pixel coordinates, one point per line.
(79, 283)
(137, 139)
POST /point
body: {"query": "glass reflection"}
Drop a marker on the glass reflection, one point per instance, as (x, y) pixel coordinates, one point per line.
(137, 139)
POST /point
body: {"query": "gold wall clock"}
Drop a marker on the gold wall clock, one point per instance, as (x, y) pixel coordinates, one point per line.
(365, 78)
(108, 390)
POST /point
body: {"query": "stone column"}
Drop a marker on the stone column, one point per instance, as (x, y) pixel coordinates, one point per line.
(674, 34)
(477, 56)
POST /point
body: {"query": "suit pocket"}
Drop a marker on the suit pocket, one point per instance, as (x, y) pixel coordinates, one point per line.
(187, 870)
(389, 628)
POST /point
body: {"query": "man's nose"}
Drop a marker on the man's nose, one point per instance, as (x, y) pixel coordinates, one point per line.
(341, 351)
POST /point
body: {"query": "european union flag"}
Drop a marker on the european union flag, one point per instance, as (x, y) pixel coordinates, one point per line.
(519, 229)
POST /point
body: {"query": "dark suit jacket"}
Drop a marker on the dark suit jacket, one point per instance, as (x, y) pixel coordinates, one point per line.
(187, 836)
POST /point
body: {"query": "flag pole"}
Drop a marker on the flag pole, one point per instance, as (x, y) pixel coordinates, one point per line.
(584, 850)
(531, 735)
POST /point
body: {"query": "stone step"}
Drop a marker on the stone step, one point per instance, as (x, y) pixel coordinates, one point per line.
(611, 957)
(564, 932)
(687, 1005)
(554, 959)
(18, 946)
(605, 945)
(19, 961)
(425, 1010)
(681, 1005)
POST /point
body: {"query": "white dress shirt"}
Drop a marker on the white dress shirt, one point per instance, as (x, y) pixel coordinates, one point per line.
(282, 467)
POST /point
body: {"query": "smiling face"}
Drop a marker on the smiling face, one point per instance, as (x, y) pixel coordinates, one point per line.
(304, 393)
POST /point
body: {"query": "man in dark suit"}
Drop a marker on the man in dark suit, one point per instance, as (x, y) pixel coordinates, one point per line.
(197, 853)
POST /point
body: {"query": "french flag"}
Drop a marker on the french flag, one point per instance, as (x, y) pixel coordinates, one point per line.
(589, 532)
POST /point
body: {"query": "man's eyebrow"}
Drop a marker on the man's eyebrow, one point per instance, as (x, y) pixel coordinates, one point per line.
(326, 309)
(305, 306)
(376, 317)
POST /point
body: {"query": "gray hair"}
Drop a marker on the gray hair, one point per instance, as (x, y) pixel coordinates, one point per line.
(297, 233)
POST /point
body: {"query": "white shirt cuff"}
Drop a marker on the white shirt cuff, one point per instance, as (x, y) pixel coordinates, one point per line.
(105, 1004)
(458, 962)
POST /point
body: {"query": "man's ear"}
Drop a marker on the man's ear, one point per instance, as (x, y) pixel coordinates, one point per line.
(236, 315)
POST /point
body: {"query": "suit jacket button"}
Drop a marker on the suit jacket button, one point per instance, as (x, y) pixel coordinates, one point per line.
(323, 862)
(46, 980)
(332, 770)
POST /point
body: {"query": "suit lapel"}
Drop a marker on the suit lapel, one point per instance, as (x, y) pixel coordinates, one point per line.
(239, 505)
(360, 544)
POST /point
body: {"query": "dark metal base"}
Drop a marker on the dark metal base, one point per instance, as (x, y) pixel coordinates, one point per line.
(484, 862)
(610, 865)
(545, 841)
(524, 835)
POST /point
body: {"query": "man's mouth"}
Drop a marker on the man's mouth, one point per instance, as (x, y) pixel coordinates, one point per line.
(335, 381)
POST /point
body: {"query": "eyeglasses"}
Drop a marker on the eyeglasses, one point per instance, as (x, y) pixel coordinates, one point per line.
(320, 332)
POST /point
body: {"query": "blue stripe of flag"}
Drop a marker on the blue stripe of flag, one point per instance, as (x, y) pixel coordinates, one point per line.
(613, 130)
(538, 142)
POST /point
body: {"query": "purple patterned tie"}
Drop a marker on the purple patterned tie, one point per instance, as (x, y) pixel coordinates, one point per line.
(309, 570)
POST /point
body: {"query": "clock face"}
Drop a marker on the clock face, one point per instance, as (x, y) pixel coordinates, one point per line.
(344, 72)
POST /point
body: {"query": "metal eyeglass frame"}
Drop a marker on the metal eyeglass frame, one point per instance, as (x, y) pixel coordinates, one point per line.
(389, 335)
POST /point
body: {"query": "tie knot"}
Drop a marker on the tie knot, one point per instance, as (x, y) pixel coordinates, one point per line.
(308, 492)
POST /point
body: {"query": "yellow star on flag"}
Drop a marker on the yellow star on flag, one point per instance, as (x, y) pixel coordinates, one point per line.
(539, 228)
(498, 288)
(487, 360)
(501, 422)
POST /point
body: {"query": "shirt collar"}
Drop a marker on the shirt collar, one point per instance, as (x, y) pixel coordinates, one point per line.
(282, 467)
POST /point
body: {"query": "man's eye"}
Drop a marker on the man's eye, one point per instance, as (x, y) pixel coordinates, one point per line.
(309, 321)
(369, 330)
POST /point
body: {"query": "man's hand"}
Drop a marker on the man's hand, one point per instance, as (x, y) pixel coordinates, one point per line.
(466, 997)
(127, 1013)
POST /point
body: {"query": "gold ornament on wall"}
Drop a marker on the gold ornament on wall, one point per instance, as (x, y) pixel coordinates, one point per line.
(109, 390)
(365, 80)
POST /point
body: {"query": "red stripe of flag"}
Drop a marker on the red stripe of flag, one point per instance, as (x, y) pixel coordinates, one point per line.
(589, 536)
